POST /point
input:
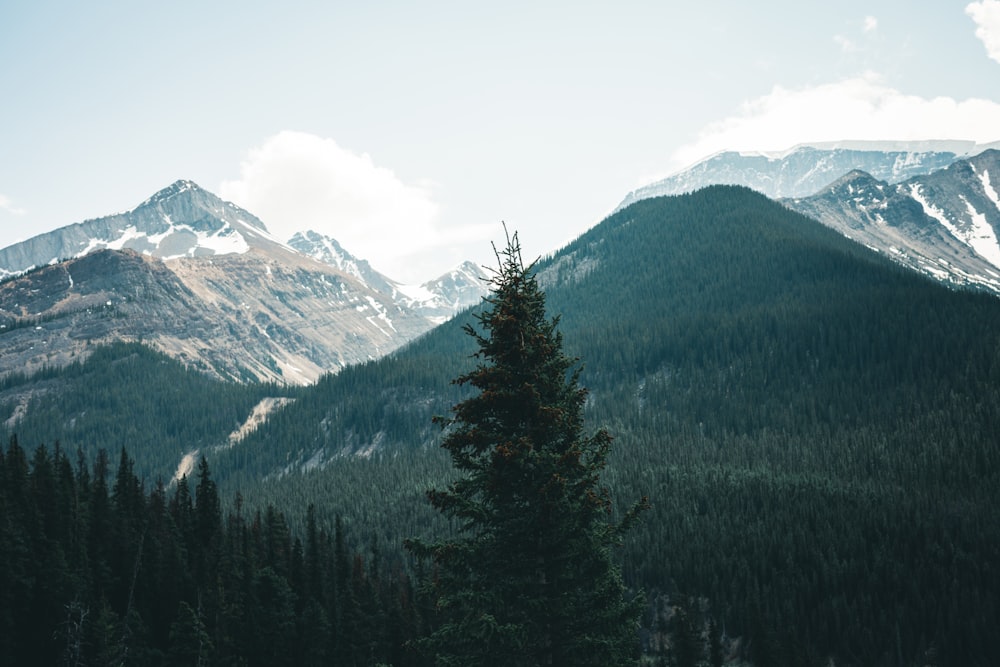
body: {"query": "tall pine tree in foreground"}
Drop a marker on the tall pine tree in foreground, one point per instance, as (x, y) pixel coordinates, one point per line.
(530, 578)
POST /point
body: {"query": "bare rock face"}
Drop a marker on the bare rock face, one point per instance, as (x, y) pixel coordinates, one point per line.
(437, 300)
(931, 206)
(804, 170)
(199, 279)
(181, 220)
(945, 224)
(241, 317)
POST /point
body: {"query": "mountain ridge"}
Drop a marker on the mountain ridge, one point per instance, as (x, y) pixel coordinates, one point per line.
(944, 224)
(204, 281)
(806, 168)
(205, 225)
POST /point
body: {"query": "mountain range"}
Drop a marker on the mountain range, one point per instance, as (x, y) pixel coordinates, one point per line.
(931, 206)
(944, 224)
(806, 169)
(204, 281)
(814, 425)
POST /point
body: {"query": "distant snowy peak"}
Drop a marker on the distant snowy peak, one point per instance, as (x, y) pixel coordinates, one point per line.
(443, 297)
(806, 169)
(327, 250)
(463, 286)
(945, 224)
(437, 300)
(182, 220)
(960, 148)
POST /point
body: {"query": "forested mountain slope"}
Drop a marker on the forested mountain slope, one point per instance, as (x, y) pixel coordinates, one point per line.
(814, 426)
(127, 395)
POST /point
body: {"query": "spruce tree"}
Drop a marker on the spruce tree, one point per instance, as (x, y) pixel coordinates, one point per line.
(530, 577)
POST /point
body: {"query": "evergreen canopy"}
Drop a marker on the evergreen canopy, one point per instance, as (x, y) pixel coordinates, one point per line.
(530, 580)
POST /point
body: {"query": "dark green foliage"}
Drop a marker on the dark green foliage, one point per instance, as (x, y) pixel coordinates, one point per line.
(529, 579)
(190, 644)
(127, 395)
(686, 645)
(815, 427)
(388, 402)
(163, 580)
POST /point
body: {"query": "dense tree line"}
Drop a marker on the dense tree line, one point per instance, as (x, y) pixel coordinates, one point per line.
(98, 570)
(134, 397)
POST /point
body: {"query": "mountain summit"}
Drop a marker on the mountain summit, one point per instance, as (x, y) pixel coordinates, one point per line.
(805, 169)
(944, 224)
(204, 281)
(929, 205)
(181, 220)
(437, 300)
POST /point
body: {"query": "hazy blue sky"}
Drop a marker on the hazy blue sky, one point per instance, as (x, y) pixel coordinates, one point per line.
(409, 131)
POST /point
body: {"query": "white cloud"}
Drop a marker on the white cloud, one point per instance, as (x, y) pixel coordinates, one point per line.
(868, 26)
(297, 181)
(845, 44)
(860, 108)
(986, 15)
(7, 205)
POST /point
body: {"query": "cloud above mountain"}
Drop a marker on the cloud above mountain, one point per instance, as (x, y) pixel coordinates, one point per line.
(297, 181)
(863, 106)
(986, 15)
(858, 108)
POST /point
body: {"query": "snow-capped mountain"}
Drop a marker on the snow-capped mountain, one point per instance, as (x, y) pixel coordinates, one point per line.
(437, 299)
(327, 250)
(945, 224)
(181, 220)
(805, 169)
(199, 279)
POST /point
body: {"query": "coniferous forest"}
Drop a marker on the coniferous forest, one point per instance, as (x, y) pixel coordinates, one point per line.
(99, 570)
(815, 429)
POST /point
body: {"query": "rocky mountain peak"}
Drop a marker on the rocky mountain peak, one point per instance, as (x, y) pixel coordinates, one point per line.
(328, 250)
(805, 169)
(185, 202)
(945, 223)
(172, 190)
(442, 297)
(436, 299)
(181, 220)
(202, 280)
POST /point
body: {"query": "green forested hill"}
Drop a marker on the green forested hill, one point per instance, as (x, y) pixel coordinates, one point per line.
(127, 395)
(815, 428)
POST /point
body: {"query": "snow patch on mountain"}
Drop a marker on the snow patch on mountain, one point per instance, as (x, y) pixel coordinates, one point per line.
(381, 314)
(979, 235)
(804, 169)
(182, 220)
(177, 240)
(437, 300)
(984, 178)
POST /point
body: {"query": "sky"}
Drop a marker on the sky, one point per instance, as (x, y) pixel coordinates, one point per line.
(413, 132)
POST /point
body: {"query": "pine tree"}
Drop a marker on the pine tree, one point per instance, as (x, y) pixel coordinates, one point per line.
(530, 580)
